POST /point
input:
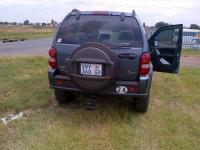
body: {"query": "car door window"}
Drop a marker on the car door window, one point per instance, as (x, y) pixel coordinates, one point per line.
(167, 39)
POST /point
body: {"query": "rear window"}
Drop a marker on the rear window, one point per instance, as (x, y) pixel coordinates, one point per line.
(109, 30)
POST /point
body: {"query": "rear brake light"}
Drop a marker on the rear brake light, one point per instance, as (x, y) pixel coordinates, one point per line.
(145, 61)
(100, 13)
(53, 58)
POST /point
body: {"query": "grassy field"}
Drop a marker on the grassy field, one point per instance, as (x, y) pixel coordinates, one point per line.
(24, 32)
(171, 123)
(191, 52)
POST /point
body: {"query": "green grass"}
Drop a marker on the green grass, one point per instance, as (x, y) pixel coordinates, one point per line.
(191, 52)
(23, 83)
(24, 32)
(172, 121)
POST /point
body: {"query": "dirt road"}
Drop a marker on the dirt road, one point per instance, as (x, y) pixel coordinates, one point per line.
(40, 47)
(190, 61)
(37, 47)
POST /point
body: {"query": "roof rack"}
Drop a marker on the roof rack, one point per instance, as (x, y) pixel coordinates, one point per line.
(123, 16)
(77, 13)
(75, 10)
(133, 13)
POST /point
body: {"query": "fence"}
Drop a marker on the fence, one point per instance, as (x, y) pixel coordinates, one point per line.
(190, 38)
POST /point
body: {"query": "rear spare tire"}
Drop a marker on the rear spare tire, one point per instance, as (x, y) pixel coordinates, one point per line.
(92, 53)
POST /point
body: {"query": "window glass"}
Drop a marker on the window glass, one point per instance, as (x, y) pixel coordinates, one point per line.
(168, 38)
(109, 30)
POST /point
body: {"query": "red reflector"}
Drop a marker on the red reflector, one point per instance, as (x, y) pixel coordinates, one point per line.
(52, 63)
(100, 13)
(132, 89)
(59, 82)
(52, 52)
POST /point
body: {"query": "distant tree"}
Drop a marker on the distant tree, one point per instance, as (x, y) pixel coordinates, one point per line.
(14, 23)
(26, 22)
(161, 24)
(44, 24)
(194, 26)
(52, 21)
(31, 24)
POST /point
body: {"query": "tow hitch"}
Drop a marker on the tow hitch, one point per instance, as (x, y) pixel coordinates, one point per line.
(91, 103)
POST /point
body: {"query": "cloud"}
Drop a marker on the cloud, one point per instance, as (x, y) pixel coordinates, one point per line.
(149, 10)
(12, 2)
(32, 2)
(142, 4)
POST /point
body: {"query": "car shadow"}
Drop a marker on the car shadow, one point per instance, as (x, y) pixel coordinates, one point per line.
(109, 109)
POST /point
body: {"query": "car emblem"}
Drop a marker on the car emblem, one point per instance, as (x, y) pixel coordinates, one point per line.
(62, 67)
(130, 73)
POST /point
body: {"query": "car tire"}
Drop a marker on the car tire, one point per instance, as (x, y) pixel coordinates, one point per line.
(141, 104)
(64, 97)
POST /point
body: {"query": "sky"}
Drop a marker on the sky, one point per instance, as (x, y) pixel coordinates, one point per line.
(149, 11)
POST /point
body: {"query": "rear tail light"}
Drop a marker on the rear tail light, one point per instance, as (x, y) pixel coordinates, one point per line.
(53, 58)
(52, 63)
(145, 62)
(52, 53)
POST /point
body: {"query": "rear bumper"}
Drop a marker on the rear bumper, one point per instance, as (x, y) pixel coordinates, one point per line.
(139, 88)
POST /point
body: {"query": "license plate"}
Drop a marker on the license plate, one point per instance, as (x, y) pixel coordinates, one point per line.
(91, 69)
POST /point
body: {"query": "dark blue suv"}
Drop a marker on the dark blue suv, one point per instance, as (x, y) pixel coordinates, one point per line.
(97, 52)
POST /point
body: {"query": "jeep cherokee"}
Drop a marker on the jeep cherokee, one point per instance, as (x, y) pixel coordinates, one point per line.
(100, 52)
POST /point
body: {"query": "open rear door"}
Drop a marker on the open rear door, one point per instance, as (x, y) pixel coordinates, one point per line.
(165, 47)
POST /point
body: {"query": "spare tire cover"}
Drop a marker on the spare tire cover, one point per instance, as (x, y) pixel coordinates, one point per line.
(92, 53)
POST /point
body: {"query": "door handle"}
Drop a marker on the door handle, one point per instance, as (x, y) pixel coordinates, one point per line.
(128, 56)
(158, 52)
